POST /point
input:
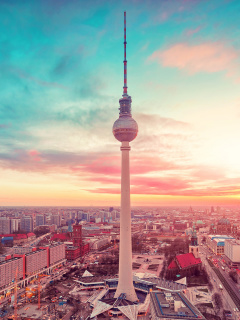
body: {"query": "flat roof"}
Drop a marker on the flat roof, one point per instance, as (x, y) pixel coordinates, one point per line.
(174, 306)
(33, 252)
(9, 260)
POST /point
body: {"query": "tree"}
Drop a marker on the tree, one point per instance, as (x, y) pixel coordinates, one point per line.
(234, 276)
(163, 271)
(1, 248)
(217, 301)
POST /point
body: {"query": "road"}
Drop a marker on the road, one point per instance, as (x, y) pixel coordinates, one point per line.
(230, 292)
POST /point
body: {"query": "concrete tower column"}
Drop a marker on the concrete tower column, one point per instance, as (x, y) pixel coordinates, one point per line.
(125, 130)
(125, 282)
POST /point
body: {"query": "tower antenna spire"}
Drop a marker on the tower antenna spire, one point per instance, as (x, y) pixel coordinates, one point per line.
(125, 58)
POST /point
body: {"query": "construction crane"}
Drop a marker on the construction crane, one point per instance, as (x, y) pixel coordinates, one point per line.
(15, 295)
(39, 293)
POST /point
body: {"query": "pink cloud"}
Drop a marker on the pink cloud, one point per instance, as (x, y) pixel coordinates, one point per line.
(35, 155)
(169, 187)
(111, 165)
(190, 32)
(206, 57)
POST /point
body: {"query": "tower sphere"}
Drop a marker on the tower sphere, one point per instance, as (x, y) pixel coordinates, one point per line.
(125, 128)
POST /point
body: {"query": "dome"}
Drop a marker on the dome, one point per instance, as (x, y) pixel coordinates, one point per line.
(223, 221)
(125, 128)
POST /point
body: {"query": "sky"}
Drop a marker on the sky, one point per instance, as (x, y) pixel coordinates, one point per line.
(61, 76)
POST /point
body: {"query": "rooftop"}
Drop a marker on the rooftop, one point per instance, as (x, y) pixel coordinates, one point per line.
(186, 260)
(173, 306)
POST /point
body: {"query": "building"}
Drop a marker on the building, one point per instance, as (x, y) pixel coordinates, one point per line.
(186, 264)
(193, 247)
(22, 250)
(7, 241)
(99, 243)
(232, 253)
(35, 261)
(224, 227)
(172, 306)
(9, 269)
(40, 220)
(15, 225)
(26, 223)
(217, 242)
(55, 253)
(29, 261)
(72, 252)
(56, 219)
(85, 248)
(85, 216)
(5, 225)
(77, 235)
(4, 257)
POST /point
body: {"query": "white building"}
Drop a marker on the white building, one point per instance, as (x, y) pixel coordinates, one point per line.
(15, 225)
(232, 252)
(99, 243)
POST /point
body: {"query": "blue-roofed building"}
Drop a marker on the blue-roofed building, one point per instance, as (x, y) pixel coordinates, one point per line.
(217, 242)
(172, 305)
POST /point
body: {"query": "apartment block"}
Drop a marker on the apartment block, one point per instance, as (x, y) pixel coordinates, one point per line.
(5, 225)
(35, 261)
(57, 253)
(9, 270)
(26, 223)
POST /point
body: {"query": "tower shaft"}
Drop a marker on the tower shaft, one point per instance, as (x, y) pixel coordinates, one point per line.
(125, 282)
(125, 58)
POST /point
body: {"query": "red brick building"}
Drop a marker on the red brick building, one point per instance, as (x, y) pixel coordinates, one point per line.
(72, 252)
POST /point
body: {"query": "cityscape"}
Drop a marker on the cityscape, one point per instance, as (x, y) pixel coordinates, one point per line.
(119, 209)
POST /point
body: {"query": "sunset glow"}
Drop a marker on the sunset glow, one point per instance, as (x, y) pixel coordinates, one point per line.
(62, 77)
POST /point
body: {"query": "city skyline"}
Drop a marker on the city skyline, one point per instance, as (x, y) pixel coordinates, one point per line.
(61, 63)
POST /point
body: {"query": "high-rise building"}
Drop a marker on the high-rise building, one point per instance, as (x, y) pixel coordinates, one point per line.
(15, 225)
(40, 220)
(72, 214)
(56, 219)
(5, 225)
(26, 223)
(125, 130)
(85, 216)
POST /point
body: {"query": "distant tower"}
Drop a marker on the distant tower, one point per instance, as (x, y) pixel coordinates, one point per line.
(125, 130)
(70, 228)
(193, 247)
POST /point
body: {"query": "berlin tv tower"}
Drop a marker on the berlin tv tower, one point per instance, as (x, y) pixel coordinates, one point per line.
(125, 130)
